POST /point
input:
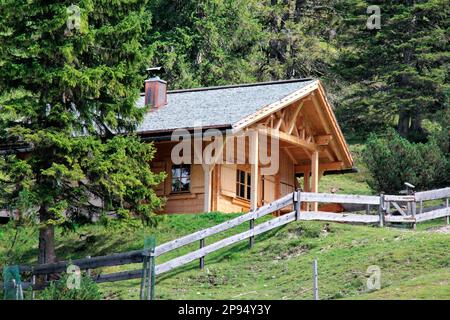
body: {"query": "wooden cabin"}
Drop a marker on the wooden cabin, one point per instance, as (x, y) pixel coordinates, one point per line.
(295, 113)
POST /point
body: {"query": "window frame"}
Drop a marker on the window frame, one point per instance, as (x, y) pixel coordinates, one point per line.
(246, 184)
(180, 177)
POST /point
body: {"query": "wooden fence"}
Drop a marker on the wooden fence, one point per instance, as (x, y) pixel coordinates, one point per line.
(382, 204)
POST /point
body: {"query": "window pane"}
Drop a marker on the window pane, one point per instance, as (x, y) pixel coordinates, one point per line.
(248, 192)
(249, 180)
(185, 184)
(186, 171)
(241, 176)
(242, 190)
(176, 172)
(176, 185)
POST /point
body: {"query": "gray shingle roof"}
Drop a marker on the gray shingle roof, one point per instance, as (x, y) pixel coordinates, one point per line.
(215, 107)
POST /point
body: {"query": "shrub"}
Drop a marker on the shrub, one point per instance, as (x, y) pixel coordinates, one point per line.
(58, 290)
(393, 160)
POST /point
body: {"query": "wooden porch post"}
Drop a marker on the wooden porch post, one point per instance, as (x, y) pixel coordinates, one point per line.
(253, 139)
(306, 184)
(306, 188)
(207, 171)
(315, 176)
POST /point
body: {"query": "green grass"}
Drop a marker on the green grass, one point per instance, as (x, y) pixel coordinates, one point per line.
(414, 264)
(434, 285)
(350, 183)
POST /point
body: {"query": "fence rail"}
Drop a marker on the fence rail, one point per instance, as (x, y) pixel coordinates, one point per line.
(432, 194)
(295, 198)
(339, 198)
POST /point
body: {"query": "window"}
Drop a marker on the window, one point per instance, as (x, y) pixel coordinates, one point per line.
(181, 178)
(243, 184)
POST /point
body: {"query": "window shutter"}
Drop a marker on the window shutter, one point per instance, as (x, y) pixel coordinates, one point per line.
(157, 167)
(269, 189)
(197, 179)
(228, 180)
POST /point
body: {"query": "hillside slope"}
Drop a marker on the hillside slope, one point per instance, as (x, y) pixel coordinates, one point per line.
(414, 264)
(279, 266)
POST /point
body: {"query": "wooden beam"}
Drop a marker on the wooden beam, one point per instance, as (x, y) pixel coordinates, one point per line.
(290, 155)
(315, 176)
(324, 122)
(323, 166)
(274, 107)
(341, 145)
(278, 124)
(282, 136)
(328, 154)
(254, 161)
(323, 140)
(294, 119)
(207, 171)
(306, 187)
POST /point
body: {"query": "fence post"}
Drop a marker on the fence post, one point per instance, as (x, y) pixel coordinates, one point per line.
(33, 283)
(447, 206)
(202, 259)
(413, 212)
(381, 211)
(297, 203)
(88, 270)
(148, 270)
(151, 276)
(251, 240)
(315, 281)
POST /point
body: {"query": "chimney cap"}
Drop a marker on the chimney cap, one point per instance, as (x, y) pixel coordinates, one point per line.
(154, 71)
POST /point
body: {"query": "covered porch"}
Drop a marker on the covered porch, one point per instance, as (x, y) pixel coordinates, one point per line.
(308, 135)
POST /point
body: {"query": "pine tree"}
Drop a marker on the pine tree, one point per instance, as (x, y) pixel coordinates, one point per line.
(298, 38)
(70, 76)
(216, 42)
(399, 72)
(205, 43)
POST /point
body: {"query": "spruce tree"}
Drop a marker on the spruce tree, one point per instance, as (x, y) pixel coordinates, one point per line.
(399, 71)
(205, 43)
(71, 72)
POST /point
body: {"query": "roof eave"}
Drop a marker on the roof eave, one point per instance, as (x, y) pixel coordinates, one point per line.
(160, 133)
(342, 142)
(273, 107)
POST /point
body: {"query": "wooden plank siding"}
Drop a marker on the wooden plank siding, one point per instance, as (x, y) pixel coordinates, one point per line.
(223, 180)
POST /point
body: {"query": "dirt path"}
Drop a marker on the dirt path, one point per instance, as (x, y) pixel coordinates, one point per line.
(444, 229)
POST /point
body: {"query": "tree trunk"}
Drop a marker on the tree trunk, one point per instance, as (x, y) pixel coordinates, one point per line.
(416, 122)
(46, 239)
(403, 123)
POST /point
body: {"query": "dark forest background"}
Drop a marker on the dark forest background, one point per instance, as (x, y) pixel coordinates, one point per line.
(395, 76)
